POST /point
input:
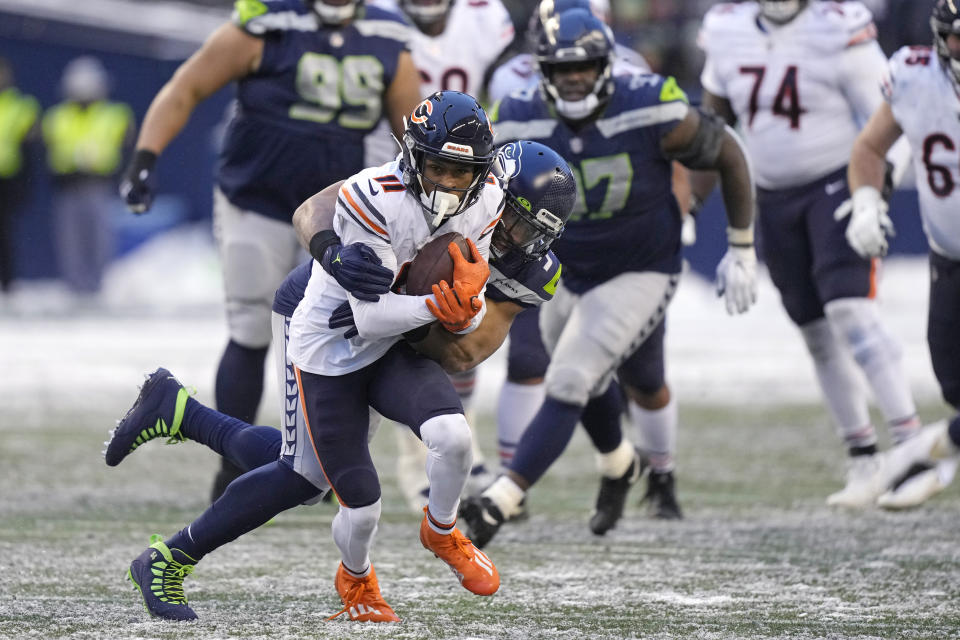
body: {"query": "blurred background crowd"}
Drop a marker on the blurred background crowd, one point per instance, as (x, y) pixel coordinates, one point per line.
(60, 217)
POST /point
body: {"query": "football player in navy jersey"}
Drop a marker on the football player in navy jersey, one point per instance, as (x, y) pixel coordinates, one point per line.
(523, 273)
(621, 256)
(312, 80)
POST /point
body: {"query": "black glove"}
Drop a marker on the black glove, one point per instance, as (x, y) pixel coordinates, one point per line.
(342, 316)
(136, 189)
(357, 269)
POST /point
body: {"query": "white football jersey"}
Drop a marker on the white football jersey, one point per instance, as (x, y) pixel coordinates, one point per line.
(800, 91)
(924, 102)
(521, 71)
(373, 207)
(476, 33)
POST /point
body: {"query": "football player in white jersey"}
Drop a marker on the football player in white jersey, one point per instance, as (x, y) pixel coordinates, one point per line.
(932, 129)
(442, 180)
(801, 77)
(522, 71)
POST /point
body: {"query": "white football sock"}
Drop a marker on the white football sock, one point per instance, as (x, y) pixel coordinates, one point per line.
(839, 383)
(616, 463)
(518, 404)
(411, 462)
(507, 495)
(353, 531)
(857, 321)
(656, 433)
(448, 462)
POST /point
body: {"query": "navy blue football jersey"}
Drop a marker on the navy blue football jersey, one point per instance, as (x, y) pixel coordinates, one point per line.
(528, 284)
(626, 217)
(300, 119)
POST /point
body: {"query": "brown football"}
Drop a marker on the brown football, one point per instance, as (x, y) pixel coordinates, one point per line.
(434, 264)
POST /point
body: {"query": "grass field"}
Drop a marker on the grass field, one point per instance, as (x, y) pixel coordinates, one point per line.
(758, 556)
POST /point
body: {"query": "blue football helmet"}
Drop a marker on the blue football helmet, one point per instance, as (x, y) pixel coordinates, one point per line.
(576, 37)
(540, 196)
(781, 11)
(945, 21)
(334, 13)
(452, 127)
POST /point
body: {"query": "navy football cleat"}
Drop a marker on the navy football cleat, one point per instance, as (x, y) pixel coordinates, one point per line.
(612, 496)
(661, 496)
(483, 519)
(158, 575)
(156, 413)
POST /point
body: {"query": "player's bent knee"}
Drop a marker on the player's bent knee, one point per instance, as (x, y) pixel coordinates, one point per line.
(356, 486)
(448, 435)
(951, 392)
(249, 323)
(568, 384)
(857, 321)
(527, 363)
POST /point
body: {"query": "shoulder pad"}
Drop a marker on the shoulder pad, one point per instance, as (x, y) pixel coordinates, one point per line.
(847, 24)
(258, 17)
(384, 27)
(726, 19)
(362, 197)
(905, 62)
(528, 285)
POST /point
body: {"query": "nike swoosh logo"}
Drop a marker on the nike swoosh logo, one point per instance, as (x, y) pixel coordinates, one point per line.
(834, 187)
(373, 191)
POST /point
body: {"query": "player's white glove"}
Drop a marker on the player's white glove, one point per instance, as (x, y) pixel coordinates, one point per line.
(688, 230)
(737, 278)
(869, 223)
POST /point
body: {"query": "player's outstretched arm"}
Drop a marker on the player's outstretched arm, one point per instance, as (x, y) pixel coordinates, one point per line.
(704, 142)
(355, 267)
(868, 156)
(869, 223)
(227, 55)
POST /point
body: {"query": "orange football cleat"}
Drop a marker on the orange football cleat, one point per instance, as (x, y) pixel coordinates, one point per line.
(361, 598)
(471, 566)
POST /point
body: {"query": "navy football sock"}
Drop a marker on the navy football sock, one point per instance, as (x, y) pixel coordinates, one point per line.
(239, 383)
(249, 501)
(601, 419)
(246, 446)
(545, 438)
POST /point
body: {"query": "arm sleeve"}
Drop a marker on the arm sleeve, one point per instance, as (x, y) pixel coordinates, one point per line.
(393, 314)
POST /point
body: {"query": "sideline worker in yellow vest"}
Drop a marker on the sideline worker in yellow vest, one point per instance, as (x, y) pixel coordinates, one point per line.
(86, 136)
(18, 126)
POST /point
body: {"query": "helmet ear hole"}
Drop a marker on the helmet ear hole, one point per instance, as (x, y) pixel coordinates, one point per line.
(540, 196)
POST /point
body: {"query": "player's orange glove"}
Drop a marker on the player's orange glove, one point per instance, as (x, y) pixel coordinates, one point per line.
(468, 275)
(454, 308)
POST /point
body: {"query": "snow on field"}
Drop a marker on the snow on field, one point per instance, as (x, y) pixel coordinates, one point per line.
(162, 305)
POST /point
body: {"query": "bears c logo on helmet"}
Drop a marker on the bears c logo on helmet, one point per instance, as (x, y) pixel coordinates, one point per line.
(421, 112)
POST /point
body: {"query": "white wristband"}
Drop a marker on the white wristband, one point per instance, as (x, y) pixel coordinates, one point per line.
(740, 237)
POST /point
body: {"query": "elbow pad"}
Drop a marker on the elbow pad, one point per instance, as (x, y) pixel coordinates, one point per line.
(704, 149)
